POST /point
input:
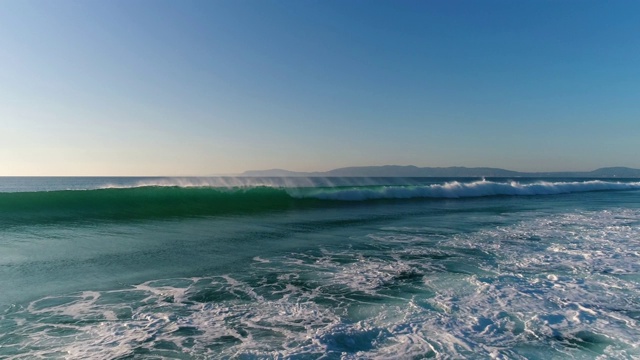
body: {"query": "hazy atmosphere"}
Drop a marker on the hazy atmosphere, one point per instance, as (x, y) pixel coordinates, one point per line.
(219, 87)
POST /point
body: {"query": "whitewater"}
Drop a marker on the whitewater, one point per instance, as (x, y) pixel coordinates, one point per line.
(319, 268)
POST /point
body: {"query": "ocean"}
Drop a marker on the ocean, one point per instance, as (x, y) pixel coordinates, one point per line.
(319, 268)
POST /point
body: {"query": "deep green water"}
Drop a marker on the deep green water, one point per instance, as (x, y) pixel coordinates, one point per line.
(122, 268)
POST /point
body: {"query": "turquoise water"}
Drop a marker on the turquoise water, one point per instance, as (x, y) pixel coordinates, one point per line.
(128, 268)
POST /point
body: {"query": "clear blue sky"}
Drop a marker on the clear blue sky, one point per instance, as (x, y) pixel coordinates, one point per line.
(149, 87)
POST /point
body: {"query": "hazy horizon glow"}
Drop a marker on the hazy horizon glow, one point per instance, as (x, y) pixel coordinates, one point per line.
(196, 88)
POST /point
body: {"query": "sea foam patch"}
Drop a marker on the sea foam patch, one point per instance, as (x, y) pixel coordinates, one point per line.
(562, 285)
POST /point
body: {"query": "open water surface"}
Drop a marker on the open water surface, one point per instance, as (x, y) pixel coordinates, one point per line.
(251, 268)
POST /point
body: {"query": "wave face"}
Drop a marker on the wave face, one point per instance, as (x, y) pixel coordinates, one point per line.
(139, 203)
(167, 200)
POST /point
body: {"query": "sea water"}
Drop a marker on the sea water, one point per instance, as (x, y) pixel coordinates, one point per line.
(348, 268)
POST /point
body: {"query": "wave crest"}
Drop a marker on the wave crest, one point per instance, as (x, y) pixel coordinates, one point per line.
(150, 202)
(455, 189)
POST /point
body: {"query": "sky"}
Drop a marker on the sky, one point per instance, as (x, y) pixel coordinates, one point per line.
(196, 88)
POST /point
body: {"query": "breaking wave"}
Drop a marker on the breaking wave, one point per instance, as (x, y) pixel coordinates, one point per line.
(457, 189)
(160, 201)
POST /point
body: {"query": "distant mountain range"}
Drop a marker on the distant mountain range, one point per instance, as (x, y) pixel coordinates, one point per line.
(454, 171)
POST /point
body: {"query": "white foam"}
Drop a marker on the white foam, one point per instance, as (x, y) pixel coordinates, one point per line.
(568, 293)
(457, 189)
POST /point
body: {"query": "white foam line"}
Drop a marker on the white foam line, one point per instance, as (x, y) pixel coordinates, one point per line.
(457, 189)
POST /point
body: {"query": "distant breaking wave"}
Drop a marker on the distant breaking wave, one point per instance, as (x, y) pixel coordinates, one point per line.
(166, 201)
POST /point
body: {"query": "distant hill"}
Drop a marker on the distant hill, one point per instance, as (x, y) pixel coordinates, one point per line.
(622, 172)
(454, 171)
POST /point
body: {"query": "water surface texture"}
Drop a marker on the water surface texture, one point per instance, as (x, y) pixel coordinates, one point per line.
(343, 268)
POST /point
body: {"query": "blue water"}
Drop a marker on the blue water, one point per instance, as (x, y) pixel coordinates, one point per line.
(199, 268)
